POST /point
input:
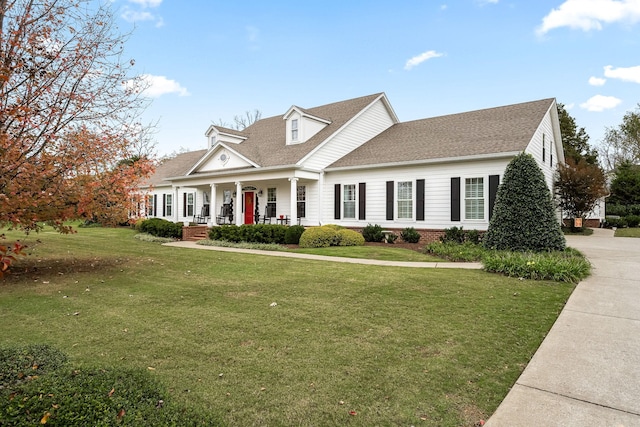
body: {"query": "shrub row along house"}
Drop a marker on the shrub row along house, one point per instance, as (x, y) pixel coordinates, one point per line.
(354, 163)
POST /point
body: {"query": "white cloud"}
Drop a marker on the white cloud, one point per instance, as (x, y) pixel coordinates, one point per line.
(156, 86)
(485, 2)
(589, 15)
(569, 106)
(600, 103)
(146, 3)
(419, 59)
(597, 81)
(136, 16)
(629, 74)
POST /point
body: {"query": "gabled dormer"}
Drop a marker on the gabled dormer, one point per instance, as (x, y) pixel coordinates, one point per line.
(302, 126)
(217, 134)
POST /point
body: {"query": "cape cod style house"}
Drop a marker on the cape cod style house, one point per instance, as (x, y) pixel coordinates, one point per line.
(354, 163)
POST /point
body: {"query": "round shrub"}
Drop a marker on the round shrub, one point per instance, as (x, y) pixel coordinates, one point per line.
(350, 238)
(410, 235)
(632, 220)
(319, 237)
(292, 235)
(372, 233)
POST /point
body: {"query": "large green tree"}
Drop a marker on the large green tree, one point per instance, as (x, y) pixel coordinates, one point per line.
(625, 187)
(524, 218)
(575, 140)
(622, 143)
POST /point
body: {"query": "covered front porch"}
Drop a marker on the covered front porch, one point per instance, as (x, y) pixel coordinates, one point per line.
(287, 200)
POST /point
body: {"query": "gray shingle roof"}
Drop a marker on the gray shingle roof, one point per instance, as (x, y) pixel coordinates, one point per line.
(265, 143)
(176, 166)
(493, 130)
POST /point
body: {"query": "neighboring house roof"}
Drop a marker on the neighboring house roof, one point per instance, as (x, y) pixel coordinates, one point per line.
(505, 129)
(265, 144)
(176, 166)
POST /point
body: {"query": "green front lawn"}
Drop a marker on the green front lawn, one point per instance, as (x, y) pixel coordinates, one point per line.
(627, 232)
(343, 343)
(385, 253)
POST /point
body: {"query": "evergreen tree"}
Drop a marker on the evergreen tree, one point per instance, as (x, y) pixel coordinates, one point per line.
(524, 218)
(625, 187)
(575, 140)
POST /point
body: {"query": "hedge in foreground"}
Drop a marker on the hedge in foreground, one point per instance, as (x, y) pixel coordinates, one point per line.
(250, 233)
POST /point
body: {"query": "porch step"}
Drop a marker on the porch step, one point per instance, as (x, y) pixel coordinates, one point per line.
(196, 237)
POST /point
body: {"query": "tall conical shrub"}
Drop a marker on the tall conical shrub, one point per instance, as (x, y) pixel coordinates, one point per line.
(524, 218)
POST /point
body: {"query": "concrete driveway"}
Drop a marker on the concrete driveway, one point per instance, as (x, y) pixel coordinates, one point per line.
(587, 370)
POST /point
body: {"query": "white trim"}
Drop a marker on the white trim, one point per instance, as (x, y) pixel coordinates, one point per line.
(208, 155)
(344, 126)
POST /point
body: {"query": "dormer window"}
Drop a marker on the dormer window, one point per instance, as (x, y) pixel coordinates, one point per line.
(294, 130)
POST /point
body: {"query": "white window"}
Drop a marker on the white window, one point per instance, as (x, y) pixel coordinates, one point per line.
(168, 205)
(349, 201)
(190, 204)
(405, 200)
(271, 202)
(294, 129)
(301, 200)
(474, 198)
(151, 204)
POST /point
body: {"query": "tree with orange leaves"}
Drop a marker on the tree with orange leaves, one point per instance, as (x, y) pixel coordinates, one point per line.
(69, 114)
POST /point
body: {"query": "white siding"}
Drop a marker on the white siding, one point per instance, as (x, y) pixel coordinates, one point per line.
(552, 143)
(367, 125)
(437, 193)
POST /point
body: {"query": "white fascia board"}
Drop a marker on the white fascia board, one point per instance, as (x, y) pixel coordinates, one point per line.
(303, 114)
(557, 133)
(239, 174)
(209, 153)
(333, 135)
(479, 157)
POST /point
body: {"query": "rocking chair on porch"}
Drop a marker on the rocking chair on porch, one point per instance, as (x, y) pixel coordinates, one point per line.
(203, 218)
(226, 215)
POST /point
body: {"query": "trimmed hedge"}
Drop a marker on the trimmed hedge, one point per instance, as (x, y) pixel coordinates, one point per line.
(330, 235)
(292, 235)
(250, 233)
(160, 228)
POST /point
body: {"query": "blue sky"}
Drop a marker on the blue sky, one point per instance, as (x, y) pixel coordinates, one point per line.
(210, 60)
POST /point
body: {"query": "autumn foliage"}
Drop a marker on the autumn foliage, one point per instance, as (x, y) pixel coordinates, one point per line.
(71, 145)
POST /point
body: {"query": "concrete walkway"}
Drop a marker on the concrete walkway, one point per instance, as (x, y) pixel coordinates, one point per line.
(587, 370)
(466, 265)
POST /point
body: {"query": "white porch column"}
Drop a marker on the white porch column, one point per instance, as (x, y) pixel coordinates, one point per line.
(176, 204)
(237, 209)
(320, 212)
(294, 201)
(212, 206)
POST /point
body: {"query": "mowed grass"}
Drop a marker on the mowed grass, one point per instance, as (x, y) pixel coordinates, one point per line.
(383, 253)
(627, 232)
(345, 345)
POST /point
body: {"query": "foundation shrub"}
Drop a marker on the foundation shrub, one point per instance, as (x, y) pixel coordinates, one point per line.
(319, 237)
(160, 228)
(250, 233)
(292, 235)
(410, 235)
(350, 238)
(372, 233)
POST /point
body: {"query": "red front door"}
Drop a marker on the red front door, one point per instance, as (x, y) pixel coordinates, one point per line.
(248, 207)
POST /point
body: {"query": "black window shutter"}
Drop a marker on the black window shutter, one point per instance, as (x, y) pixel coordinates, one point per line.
(420, 200)
(155, 205)
(336, 202)
(164, 205)
(389, 200)
(494, 182)
(362, 200)
(455, 199)
(184, 204)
